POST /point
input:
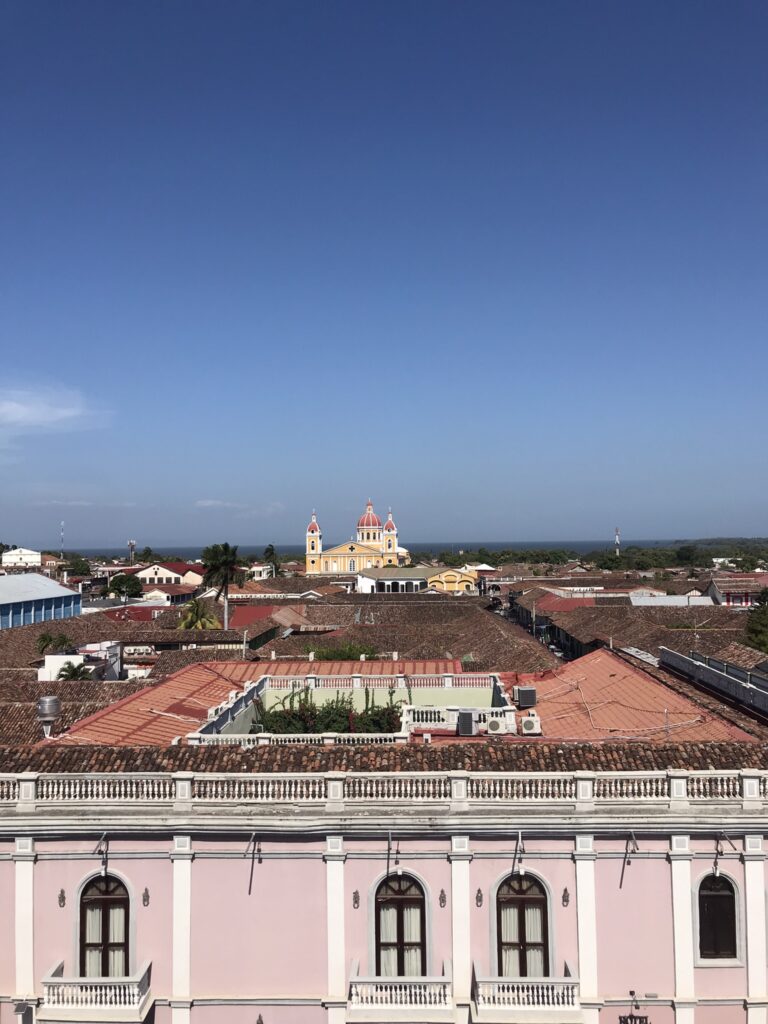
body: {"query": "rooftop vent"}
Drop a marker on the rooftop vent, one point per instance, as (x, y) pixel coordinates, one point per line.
(467, 723)
(530, 724)
(48, 710)
(525, 696)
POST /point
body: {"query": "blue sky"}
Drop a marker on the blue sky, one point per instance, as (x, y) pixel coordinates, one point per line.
(500, 265)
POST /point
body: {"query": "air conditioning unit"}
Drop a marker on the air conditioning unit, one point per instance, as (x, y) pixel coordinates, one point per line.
(501, 726)
(467, 723)
(530, 724)
(525, 696)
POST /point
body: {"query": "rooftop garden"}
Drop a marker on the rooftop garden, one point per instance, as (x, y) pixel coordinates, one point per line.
(299, 712)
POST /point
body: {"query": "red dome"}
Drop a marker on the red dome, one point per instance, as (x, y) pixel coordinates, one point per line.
(313, 527)
(389, 525)
(369, 520)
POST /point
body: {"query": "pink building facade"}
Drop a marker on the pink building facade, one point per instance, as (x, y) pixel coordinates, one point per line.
(351, 897)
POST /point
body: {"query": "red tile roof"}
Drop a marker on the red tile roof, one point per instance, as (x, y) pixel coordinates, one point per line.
(242, 615)
(179, 705)
(602, 697)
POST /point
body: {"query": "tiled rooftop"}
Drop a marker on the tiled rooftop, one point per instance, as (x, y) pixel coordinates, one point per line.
(602, 697)
(179, 704)
(480, 757)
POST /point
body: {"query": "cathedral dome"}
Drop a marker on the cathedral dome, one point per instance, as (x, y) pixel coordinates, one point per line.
(389, 526)
(313, 527)
(369, 520)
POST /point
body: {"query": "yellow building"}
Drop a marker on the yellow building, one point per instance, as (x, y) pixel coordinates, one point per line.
(376, 546)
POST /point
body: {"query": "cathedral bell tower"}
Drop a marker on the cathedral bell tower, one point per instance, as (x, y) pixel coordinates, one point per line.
(314, 546)
(390, 541)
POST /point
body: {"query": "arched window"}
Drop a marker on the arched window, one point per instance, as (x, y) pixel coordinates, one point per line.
(717, 919)
(351, 565)
(401, 949)
(389, 544)
(104, 910)
(313, 545)
(521, 908)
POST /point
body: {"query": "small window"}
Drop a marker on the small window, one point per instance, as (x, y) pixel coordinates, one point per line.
(104, 909)
(312, 546)
(401, 949)
(521, 908)
(717, 919)
(351, 565)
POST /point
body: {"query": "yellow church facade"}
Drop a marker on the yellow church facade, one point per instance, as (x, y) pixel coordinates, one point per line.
(376, 546)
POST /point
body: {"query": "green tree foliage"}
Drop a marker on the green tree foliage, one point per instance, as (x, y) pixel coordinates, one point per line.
(70, 671)
(757, 628)
(221, 571)
(78, 566)
(196, 614)
(125, 586)
(270, 557)
(53, 643)
(298, 712)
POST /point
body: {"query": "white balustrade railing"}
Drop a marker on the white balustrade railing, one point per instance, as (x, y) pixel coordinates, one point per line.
(713, 786)
(397, 786)
(107, 995)
(410, 993)
(312, 739)
(260, 788)
(578, 790)
(119, 787)
(632, 787)
(9, 788)
(393, 993)
(546, 994)
(531, 787)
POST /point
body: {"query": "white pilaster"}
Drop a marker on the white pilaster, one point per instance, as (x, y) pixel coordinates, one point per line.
(336, 1001)
(24, 858)
(586, 917)
(460, 857)
(754, 908)
(682, 928)
(182, 856)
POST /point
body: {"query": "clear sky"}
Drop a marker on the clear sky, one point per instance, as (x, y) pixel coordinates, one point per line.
(503, 266)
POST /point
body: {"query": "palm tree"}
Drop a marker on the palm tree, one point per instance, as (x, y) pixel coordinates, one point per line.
(53, 643)
(221, 569)
(197, 615)
(271, 558)
(70, 671)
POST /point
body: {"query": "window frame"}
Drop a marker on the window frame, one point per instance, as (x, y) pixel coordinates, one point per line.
(400, 944)
(493, 922)
(105, 901)
(520, 902)
(717, 962)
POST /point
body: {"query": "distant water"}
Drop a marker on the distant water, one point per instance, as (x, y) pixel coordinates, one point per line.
(578, 546)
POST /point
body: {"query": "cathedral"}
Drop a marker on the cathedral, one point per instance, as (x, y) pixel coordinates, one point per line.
(376, 546)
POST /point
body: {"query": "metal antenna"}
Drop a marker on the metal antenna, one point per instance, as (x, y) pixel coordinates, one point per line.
(618, 542)
(61, 551)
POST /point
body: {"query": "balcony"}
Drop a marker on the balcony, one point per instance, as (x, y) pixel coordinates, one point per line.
(401, 999)
(106, 1000)
(550, 1000)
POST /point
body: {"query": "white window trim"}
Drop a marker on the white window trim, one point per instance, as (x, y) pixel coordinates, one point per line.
(432, 969)
(493, 960)
(698, 960)
(92, 876)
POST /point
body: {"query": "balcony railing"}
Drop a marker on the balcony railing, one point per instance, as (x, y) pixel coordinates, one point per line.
(423, 994)
(575, 791)
(527, 993)
(95, 999)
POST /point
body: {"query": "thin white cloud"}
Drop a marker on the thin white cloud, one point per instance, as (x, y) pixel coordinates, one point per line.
(80, 503)
(217, 503)
(55, 503)
(43, 410)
